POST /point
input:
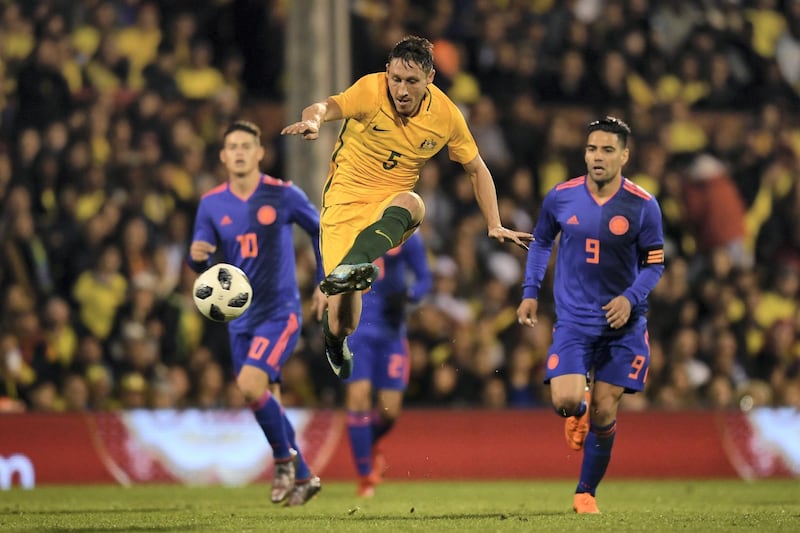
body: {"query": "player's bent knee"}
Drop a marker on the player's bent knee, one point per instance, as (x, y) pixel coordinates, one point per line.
(567, 406)
(252, 394)
(603, 414)
(412, 202)
(389, 417)
(389, 413)
(253, 386)
(418, 214)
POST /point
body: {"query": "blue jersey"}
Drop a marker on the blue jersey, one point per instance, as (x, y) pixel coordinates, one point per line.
(256, 234)
(605, 250)
(383, 303)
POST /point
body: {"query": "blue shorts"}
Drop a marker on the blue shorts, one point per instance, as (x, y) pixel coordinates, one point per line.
(380, 355)
(618, 358)
(267, 346)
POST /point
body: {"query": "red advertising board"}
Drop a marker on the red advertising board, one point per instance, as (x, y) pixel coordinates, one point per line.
(227, 447)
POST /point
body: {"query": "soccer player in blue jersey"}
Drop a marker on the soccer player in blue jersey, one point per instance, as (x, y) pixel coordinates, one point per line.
(610, 256)
(383, 364)
(248, 221)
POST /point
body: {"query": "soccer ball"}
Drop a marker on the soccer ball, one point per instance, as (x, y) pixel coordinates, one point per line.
(222, 293)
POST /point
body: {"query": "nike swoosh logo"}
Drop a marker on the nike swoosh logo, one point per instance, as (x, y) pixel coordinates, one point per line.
(376, 128)
(382, 234)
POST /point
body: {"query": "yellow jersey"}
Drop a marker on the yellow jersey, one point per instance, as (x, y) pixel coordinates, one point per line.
(378, 153)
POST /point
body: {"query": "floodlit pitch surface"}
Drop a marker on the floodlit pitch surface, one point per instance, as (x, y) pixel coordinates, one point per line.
(732, 505)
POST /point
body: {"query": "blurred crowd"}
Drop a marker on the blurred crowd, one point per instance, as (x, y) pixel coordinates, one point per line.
(110, 117)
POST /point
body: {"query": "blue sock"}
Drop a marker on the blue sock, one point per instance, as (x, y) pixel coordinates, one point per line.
(596, 456)
(360, 432)
(303, 472)
(269, 416)
(380, 426)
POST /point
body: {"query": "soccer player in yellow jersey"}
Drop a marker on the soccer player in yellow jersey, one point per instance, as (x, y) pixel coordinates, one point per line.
(394, 122)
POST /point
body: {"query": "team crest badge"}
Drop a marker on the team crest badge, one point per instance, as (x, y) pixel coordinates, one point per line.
(266, 215)
(618, 225)
(428, 144)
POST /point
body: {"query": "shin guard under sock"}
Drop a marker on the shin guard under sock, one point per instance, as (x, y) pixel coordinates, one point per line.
(596, 456)
(269, 415)
(379, 237)
(360, 433)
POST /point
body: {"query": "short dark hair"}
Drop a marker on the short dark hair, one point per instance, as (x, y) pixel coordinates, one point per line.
(413, 49)
(611, 125)
(245, 126)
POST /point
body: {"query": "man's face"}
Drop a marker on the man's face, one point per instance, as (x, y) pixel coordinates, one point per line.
(604, 156)
(241, 153)
(407, 85)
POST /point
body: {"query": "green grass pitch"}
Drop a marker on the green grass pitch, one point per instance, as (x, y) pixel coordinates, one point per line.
(649, 506)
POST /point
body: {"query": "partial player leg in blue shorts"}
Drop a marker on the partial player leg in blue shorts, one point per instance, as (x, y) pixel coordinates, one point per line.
(382, 357)
(266, 346)
(625, 359)
(382, 368)
(619, 358)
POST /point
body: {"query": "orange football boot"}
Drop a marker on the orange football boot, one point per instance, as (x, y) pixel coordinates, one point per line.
(366, 484)
(584, 503)
(366, 487)
(576, 428)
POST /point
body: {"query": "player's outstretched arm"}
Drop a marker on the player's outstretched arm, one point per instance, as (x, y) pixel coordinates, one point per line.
(313, 117)
(486, 195)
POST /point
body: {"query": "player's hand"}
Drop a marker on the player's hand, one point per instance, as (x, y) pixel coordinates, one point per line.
(520, 238)
(200, 251)
(526, 312)
(618, 311)
(309, 129)
(319, 302)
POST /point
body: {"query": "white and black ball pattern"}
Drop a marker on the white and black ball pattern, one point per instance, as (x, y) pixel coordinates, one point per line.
(222, 293)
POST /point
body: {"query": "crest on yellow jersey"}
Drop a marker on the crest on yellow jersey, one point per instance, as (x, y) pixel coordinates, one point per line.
(428, 144)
